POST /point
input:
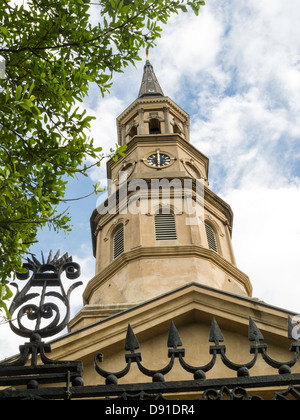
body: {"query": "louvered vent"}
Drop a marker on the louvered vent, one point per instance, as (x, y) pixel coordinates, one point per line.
(211, 238)
(165, 227)
(119, 242)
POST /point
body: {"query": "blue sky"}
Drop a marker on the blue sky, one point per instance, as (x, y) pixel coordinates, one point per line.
(236, 70)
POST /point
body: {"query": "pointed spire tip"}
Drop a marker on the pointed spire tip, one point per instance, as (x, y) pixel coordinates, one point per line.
(150, 85)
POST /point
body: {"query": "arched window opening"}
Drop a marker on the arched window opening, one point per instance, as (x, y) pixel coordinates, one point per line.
(176, 129)
(154, 126)
(133, 132)
(165, 227)
(211, 238)
(118, 242)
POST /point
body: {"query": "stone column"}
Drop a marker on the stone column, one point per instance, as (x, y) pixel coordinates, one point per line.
(123, 139)
(186, 128)
(141, 130)
(167, 120)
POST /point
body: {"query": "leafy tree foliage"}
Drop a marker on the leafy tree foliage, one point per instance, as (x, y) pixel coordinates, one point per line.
(52, 53)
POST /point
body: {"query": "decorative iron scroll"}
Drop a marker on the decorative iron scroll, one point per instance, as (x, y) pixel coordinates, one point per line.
(45, 276)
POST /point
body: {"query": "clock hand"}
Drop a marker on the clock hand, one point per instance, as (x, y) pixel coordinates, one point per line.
(158, 158)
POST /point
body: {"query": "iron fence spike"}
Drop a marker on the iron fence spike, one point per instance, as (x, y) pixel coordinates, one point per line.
(131, 343)
(215, 335)
(254, 332)
(174, 339)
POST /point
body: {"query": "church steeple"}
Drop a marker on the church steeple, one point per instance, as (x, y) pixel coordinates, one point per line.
(148, 236)
(152, 113)
(150, 85)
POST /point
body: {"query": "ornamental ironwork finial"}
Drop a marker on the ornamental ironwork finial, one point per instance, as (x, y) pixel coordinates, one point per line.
(48, 312)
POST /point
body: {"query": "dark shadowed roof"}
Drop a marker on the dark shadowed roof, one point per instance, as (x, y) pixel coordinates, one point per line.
(150, 85)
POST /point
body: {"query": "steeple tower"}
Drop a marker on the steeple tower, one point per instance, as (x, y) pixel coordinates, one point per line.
(152, 112)
(158, 264)
(145, 241)
(150, 86)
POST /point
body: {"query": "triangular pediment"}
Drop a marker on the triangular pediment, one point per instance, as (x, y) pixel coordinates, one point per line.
(192, 309)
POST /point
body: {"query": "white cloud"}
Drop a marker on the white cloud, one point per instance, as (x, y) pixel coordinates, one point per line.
(104, 127)
(9, 342)
(266, 241)
(104, 130)
(188, 46)
(87, 265)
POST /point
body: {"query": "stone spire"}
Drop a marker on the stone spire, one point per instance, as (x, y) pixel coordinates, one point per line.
(150, 85)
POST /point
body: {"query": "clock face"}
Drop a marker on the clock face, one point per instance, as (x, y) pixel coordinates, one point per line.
(159, 160)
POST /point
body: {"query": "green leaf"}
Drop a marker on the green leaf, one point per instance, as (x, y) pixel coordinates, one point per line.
(5, 308)
(18, 93)
(98, 188)
(3, 30)
(8, 294)
(25, 106)
(123, 148)
(7, 96)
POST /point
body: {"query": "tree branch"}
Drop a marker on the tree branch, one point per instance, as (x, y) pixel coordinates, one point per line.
(78, 43)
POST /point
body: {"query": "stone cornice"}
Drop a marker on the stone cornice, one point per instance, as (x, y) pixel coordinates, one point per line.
(178, 251)
(153, 101)
(161, 138)
(150, 101)
(191, 299)
(221, 205)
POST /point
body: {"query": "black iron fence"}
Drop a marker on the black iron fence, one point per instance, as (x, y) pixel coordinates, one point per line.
(34, 376)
